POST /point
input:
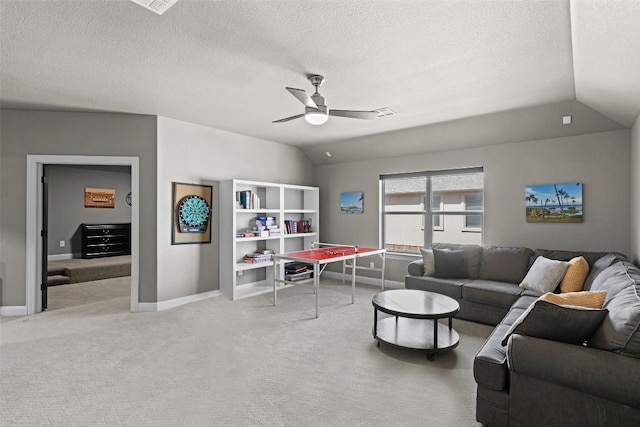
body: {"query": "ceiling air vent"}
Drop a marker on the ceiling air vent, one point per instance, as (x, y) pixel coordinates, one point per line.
(385, 112)
(157, 6)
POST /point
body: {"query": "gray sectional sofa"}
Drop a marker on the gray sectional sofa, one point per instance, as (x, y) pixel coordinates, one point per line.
(532, 381)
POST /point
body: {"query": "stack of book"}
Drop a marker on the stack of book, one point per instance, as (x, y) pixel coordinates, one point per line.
(266, 224)
(297, 271)
(261, 255)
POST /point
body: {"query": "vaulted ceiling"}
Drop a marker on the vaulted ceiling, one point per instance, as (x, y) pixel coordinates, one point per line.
(225, 64)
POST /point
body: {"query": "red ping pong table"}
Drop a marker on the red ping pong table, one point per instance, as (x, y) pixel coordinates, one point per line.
(320, 255)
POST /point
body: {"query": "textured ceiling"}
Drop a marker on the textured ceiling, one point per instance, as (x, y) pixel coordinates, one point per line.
(225, 64)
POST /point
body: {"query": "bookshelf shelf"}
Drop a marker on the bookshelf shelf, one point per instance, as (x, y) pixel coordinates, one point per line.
(288, 236)
(242, 266)
(296, 211)
(255, 239)
(291, 203)
(257, 211)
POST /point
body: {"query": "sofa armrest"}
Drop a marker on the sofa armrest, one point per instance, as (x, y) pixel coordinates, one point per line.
(596, 372)
(416, 268)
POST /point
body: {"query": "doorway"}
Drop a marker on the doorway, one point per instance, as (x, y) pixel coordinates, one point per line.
(34, 244)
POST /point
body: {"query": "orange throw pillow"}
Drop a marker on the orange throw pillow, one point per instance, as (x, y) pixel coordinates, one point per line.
(575, 276)
(588, 299)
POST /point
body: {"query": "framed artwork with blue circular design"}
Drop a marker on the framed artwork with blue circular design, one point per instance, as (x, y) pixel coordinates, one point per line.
(192, 210)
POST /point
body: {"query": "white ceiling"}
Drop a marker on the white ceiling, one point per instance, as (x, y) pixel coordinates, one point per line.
(225, 64)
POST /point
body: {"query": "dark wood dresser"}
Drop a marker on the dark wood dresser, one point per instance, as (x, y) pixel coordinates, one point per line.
(103, 240)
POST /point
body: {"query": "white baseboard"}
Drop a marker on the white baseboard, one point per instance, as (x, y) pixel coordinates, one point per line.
(366, 280)
(13, 310)
(60, 257)
(147, 307)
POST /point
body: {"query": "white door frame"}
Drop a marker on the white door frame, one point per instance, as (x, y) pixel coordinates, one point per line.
(34, 219)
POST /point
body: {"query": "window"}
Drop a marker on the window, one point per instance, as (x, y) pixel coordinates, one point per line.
(416, 206)
(473, 202)
(436, 205)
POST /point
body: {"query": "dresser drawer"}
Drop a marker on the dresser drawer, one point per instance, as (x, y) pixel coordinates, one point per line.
(102, 240)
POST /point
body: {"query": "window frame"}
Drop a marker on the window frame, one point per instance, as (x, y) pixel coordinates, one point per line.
(471, 228)
(427, 212)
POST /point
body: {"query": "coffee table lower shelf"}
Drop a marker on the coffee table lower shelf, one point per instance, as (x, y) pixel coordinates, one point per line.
(417, 334)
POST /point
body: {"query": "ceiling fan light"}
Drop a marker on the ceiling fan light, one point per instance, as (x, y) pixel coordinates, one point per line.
(316, 117)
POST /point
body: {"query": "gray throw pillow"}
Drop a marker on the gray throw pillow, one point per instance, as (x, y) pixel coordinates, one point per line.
(449, 264)
(472, 256)
(544, 275)
(568, 324)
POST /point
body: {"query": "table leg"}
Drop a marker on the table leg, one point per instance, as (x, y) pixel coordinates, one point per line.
(375, 322)
(450, 323)
(353, 281)
(316, 284)
(432, 356)
(275, 276)
(344, 269)
(383, 263)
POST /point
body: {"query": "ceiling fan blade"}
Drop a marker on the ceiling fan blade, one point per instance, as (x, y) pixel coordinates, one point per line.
(288, 118)
(302, 97)
(366, 115)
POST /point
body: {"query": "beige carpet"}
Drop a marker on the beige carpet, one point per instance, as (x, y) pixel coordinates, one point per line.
(223, 363)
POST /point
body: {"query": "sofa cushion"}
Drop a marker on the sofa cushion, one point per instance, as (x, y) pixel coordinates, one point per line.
(613, 279)
(449, 264)
(491, 292)
(472, 256)
(573, 325)
(428, 262)
(589, 299)
(544, 275)
(504, 264)
(449, 287)
(577, 272)
(620, 330)
(598, 267)
(590, 257)
(490, 364)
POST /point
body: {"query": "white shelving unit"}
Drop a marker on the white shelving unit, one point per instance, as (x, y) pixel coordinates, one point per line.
(283, 201)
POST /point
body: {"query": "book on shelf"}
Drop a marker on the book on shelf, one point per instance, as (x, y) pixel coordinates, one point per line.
(295, 227)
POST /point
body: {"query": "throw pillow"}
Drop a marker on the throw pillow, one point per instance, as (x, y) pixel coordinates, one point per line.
(589, 299)
(449, 264)
(428, 261)
(544, 275)
(572, 325)
(577, 272)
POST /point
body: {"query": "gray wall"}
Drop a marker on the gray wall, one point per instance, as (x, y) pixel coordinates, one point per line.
(70, 133)
(600, 161)
(635, 192)
(200, 155)
(66, 202)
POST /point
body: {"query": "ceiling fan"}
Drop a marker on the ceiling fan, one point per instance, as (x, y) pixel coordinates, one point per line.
(315, 110)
